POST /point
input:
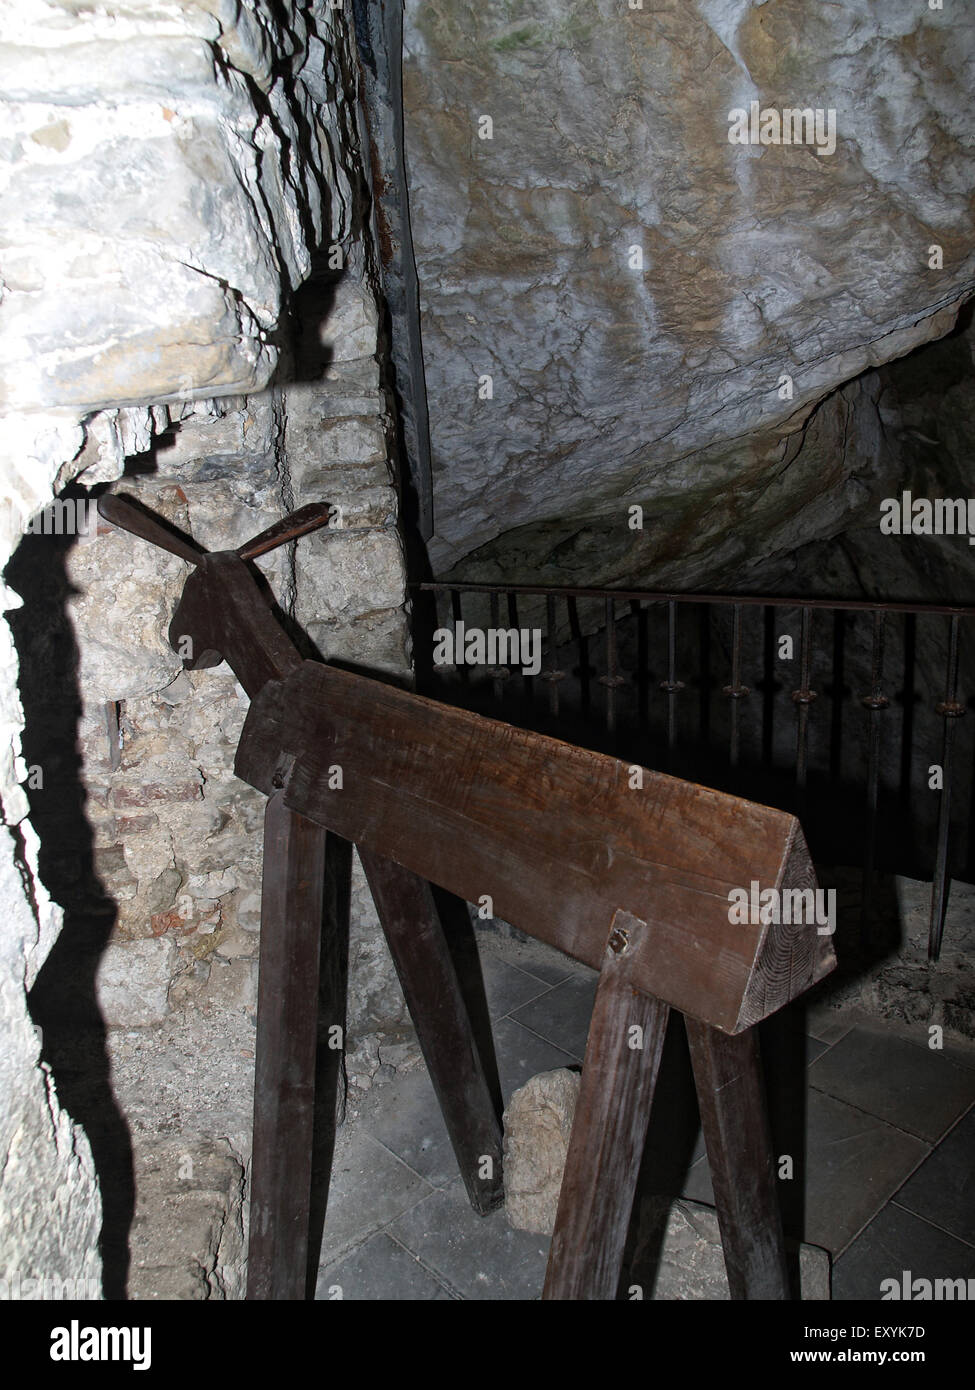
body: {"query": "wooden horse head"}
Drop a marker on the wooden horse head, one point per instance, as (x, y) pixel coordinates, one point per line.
(633, 878)
(223, 615)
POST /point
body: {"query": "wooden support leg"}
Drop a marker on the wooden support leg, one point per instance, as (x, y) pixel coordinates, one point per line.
(610, 1128)
(284, 1082)
(731, 1096)
(417, 944)
(329, 1073)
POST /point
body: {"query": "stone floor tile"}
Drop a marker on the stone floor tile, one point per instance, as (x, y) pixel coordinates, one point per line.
(896, 1240)
(507, 987)
(918, 1090)
(852, 1165)
(562, 1015)
(533, 957)
(369, 1188)
(943, 1188)
(480, 1256)
(522, 1054)
(404, 1115)
(381, 1270)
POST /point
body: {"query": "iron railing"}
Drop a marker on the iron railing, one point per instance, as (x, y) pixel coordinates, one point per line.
(928, 648)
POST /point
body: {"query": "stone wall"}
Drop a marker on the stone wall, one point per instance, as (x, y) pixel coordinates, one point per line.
(189, 305)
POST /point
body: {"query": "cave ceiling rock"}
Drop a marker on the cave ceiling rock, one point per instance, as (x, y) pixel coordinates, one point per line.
(664, 384)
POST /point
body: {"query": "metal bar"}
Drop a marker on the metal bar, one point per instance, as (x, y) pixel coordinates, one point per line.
(513, 621)
(582, 647)
(552, 675)
(735, 691)
(458, 617)
(873, 703)
(704, 679)
(802, 699)
(654, 596)
(499, 674)
(951, 710)
(836, 708)
(642, 664)
(768, 686)
(612, 678)
(672, 685)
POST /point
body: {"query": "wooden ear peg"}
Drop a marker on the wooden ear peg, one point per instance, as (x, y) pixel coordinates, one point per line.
(289, 528)
(125, 513)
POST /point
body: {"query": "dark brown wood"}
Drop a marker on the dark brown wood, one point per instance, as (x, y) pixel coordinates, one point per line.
(731, 1096)
(284, 1081)
(289, 528)
(127, 514)
(227, 618)
(426, 971)
(555, 835)
(610, 1127)
(566, 843)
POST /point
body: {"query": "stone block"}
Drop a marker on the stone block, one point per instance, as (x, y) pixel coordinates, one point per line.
(187, 1236)
(537, 1125)
(690, 1263)
(133, 982)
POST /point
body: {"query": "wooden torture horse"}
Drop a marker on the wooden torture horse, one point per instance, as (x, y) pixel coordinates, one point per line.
(630, 875)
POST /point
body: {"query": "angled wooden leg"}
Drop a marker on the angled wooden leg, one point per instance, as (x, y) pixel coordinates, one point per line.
(329, 1073)
(284, 1081)
(417, 944)
(610, 1128)
(731, 1096)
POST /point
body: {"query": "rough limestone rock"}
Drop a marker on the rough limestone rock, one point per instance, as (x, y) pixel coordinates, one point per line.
(638, 287)
(172, 175)
(168, 174)
(907, 989)
(677, 1245)
(188, 1233)
(133, 982)
(686, 1261)
(151, 102)
(537, 1125)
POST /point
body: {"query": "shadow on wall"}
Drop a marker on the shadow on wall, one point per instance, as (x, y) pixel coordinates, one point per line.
(63, 1001)
(307, 356)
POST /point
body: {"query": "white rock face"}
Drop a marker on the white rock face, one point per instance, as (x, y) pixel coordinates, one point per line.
(148, 231)
(50, 1211)
(167, 173)
(638, 288)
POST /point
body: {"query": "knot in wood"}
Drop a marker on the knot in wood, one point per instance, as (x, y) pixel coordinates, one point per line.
(619, 939)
